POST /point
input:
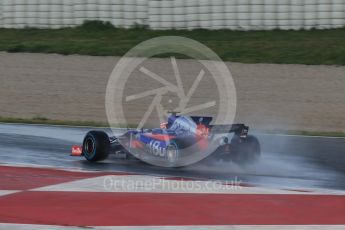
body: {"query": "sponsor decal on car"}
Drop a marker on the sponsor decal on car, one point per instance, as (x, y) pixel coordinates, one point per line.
(156, 148)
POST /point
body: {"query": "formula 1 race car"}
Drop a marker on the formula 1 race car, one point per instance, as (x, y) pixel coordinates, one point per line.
(180, 141)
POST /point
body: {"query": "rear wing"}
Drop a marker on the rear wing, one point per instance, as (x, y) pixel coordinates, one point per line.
(238, 129)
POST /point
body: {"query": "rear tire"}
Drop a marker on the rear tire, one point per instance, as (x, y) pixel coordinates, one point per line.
(245, 151)
(96, 146)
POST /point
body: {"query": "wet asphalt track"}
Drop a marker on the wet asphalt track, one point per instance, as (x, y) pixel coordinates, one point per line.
(287, 161)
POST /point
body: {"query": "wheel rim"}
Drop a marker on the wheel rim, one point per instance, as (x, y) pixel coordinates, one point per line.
(89, 147)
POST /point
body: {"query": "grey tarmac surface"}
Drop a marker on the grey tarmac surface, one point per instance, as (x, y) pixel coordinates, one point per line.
(287, 161)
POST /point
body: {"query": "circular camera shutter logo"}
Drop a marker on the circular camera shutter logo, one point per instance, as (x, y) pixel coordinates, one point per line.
(133, 61)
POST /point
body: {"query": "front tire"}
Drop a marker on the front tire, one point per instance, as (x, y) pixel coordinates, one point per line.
(96, 146)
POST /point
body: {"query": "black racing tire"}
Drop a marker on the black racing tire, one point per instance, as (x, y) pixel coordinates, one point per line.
(96, 146)
(245, 150)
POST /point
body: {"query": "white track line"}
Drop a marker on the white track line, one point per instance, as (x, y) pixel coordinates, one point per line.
(7, 192)
(191, 227)
(151, 184)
